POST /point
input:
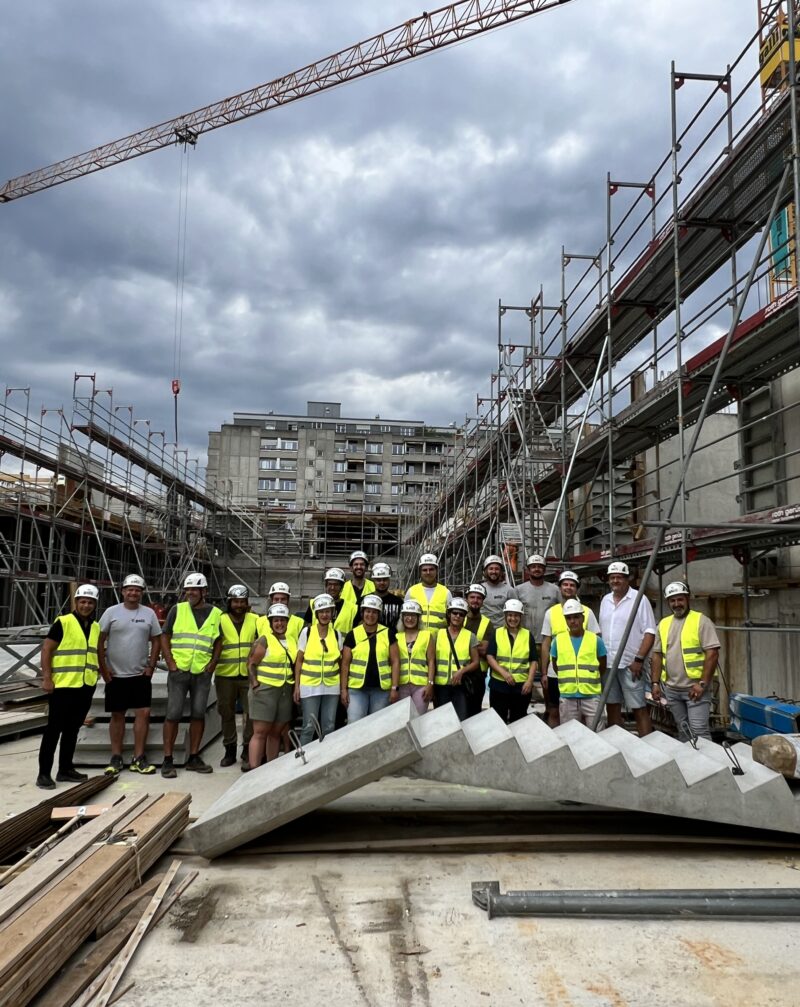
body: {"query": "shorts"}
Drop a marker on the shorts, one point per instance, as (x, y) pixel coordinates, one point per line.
(181, 683)
(627, 687)
(272, 704)
(578, 709)
(131, 693)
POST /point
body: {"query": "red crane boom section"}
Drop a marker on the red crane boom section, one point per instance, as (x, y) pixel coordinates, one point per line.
(435, 30)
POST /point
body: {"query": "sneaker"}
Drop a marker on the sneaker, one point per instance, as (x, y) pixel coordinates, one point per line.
(141, 765)
(44, 782)
(196, 765)
(168, 770)
(70, 776)
(115, 765)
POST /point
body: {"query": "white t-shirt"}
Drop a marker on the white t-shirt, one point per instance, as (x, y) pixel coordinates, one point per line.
(614, 618)
(307, 691)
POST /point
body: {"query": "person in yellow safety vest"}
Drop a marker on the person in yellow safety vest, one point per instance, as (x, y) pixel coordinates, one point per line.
(555, 623)
(316, 684)
(370, 664)
(359, 584)
(69, 676)
(417, 657)
(345, 611)
(279, 594)
(271, 667)
(238, 631)
(513, 659)
(579, 660)
(683, 663)
(477, 622)
(432, 597)
(187, 643)
(456, 655)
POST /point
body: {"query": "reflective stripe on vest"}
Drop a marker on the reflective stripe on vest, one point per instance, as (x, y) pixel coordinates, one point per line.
(349, 592)
(693, 653)
(445, 668)
(358, 662)
(294, 627)
(558, 624)
(320, 659)
(414, 665)
(74, 661)
(236, 645)
(192, 647)
(578, 674)
(343, 622)
(277, 665)
(434, 612)
(515, 659)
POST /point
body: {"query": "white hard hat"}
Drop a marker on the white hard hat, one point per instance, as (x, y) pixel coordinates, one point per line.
(195, 580)
(372, 601)
(534, 559)
(238, 591)
(514, 605)
(675, 588)
(618, 567)
(335, 573)
(492, 559)
(411, 607)
(323, 601)
(477, 589)
(458, 605)
(572, 607)
(279, 587)
(358, 554)
(87, 591)
(278, 611)
(428, 559)
(134, 580)
(381, 571)
(568, 575)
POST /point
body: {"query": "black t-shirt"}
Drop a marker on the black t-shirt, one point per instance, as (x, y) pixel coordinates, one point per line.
(372, 678)
(56, 631)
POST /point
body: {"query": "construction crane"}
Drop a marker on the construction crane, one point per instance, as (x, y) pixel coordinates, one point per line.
(417, 37)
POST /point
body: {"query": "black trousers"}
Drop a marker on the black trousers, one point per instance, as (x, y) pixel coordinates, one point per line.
(509, 706)
(67, 712)
(474, 686)
(444, 694)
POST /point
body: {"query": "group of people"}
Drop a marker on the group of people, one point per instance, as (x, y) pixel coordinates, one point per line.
(358, 648)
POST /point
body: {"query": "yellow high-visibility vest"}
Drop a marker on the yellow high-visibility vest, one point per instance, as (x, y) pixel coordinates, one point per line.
(74, 662)
(237, 641)
(358, 662)
(321, 659)
(276, 667)
(483, 627)
(294, 627)
(434, 612)
(558, 623)
(445, 665)
(343, 622)
(693, 654)
(414, 664)
(192, 646)
(349, 594)
(578, 674)
(515, 659)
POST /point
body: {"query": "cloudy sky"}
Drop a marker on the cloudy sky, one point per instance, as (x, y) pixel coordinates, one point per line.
(352, 246)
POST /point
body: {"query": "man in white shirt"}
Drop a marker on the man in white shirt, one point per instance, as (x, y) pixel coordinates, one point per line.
(615, 610)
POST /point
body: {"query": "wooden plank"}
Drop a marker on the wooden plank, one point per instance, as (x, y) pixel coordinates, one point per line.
(124, 906)
(78, 812)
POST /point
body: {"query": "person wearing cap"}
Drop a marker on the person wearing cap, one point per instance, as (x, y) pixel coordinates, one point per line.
(69, 676)
(432, 597)
(477, 622)
(238, 631)
(187, 643)
(615, 609)
(317, 670)
(354, 589)
(370, 666)
(417, 657)
(537, 595)
(127, 652)
(345, 611)
(497, 589)
(392, 603)
(456, 655)
(579, 661)
(271, 668)
(513, 660)
(279, 594)
(684, 662)
(554, 623)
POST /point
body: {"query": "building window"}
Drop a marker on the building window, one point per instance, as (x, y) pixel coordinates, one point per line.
(267, 484)
(374, 447)
(407, 431)
(362, 430)
(375, 468)
(269, 443)
(354, 446)
(386, 430)
(354, 488)
(340, 466)
(398, 449)
(287, 445)
(396, 489)
(435, 449)
(268, 463)
(372, 488)
(341, 428)
(340, 487)
(398, 469)
(290, 464)
(291, 426)
(339, 446)
(370, 508)
(288, 485)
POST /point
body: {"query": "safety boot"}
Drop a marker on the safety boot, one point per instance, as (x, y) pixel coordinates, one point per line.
(245, 758)
(229, 758)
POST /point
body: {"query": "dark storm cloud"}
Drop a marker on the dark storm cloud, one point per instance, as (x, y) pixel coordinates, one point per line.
(352, 246)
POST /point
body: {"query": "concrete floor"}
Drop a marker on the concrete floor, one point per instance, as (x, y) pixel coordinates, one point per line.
(393, 929)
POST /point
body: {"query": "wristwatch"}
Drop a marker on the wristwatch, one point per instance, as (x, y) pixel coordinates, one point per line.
(430, 681)
(395, 688)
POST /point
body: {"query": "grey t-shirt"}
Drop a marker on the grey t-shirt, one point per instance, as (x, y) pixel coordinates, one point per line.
(496, 596)
(537, 600)
(129, 631)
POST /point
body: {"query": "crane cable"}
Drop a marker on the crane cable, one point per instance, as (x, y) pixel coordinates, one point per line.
(180, 275)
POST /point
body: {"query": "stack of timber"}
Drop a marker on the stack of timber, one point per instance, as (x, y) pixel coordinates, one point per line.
(33, 826)
(50, 909)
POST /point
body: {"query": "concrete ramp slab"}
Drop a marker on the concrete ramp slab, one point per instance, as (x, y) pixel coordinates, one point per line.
(287, 788)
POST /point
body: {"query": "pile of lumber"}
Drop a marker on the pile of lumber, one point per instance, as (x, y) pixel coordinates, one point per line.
(49, 910)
